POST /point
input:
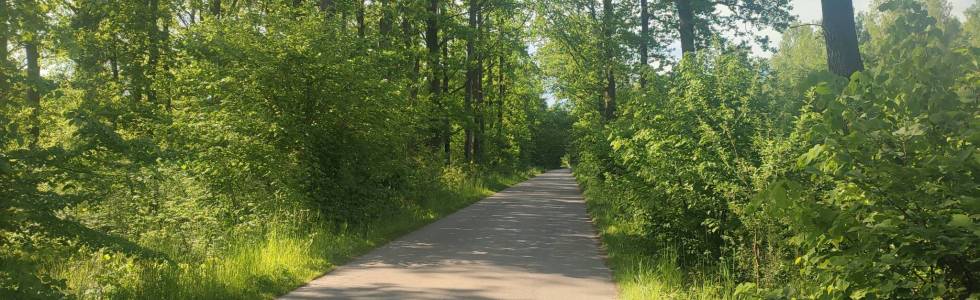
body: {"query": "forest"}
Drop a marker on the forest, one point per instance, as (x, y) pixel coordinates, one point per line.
(236, 149)
(843, 167)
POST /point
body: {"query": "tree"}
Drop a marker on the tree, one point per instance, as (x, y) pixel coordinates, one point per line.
(473, 69)
(216, 8)
(971, 27)
(271, 115)
(644, 41)
(385, 24)
(33, 20)
(361, 28)
(840, 36)
(433, 47)
(685, 25)
(699, 20)
(608, 30)
(5, 13)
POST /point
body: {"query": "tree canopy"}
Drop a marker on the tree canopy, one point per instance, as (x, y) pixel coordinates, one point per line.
(235, 149)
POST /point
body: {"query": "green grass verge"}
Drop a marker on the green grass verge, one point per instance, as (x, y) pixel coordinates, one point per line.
(264, 267)
(642, 271)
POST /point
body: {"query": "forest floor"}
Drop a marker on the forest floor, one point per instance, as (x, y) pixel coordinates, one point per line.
(531, 241)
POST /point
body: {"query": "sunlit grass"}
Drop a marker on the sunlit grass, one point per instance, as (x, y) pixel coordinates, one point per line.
(265, 266)
(644, 274)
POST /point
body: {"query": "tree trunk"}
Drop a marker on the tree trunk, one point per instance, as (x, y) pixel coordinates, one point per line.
(480, 110)
(609, 96)
(326, 5)
(685, 25)
(360, 19)
(432, 45)
(216, 8)
(156, 37)
(165, 41)
(843, 56)
(33, 95)
(609, 93)
(471, 81)
(408, 35)
(502, 86)
(384, 24)
(4, 56)
(446, 126)
(480, 97)
(644, 36)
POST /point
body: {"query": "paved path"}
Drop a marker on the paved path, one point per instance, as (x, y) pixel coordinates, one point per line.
(531, 241)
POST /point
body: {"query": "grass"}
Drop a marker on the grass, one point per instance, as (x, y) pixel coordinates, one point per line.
(644, 274)
(263, 267)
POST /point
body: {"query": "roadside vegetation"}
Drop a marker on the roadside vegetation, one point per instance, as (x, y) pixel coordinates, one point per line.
(236, 149)
(726, 176)
(208, 149)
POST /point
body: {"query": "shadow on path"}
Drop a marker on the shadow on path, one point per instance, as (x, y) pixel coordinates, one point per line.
(531, 241)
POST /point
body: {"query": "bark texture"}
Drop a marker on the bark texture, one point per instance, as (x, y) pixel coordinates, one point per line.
(644, 40)
(609, 93)
(840, 35)
(685, 24)
(33, 94)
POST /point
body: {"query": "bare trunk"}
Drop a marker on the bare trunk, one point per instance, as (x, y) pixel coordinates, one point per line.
(432, 45)
(843, 55)
(609, 96)
(154, 52)
(685, 24)
(480, 97)
(409, 40)
(33, 95)
(471, 81)
(4, 56)
(480, 109)
(609, 93)
(326, 5)
(502, 86)
(644, 36)
(165, 40)
(384, 25)
(446, 126)
(360, 19)
(216, 8)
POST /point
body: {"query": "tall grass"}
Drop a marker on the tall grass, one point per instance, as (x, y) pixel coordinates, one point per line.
(262, 267)
(644, 271)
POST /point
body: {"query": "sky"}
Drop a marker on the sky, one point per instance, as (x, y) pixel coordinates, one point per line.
(808, 11)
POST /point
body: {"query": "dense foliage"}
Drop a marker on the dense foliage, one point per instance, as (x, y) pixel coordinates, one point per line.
(209, 149)
(725, 175)
(234, 149)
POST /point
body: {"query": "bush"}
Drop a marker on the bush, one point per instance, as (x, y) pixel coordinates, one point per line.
(884, 198)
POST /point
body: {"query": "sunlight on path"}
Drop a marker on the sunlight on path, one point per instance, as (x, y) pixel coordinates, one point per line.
(531, 241)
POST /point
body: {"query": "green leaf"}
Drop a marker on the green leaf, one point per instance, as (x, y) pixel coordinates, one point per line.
(5, 166)
(807, 158)
(822, 89)
(960, 220)
(910, 131)
(859, 294)
(778, 196)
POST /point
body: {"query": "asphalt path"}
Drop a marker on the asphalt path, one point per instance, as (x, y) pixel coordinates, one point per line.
(533, 240)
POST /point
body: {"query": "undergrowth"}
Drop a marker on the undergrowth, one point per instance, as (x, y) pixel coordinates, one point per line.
(264, 266)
